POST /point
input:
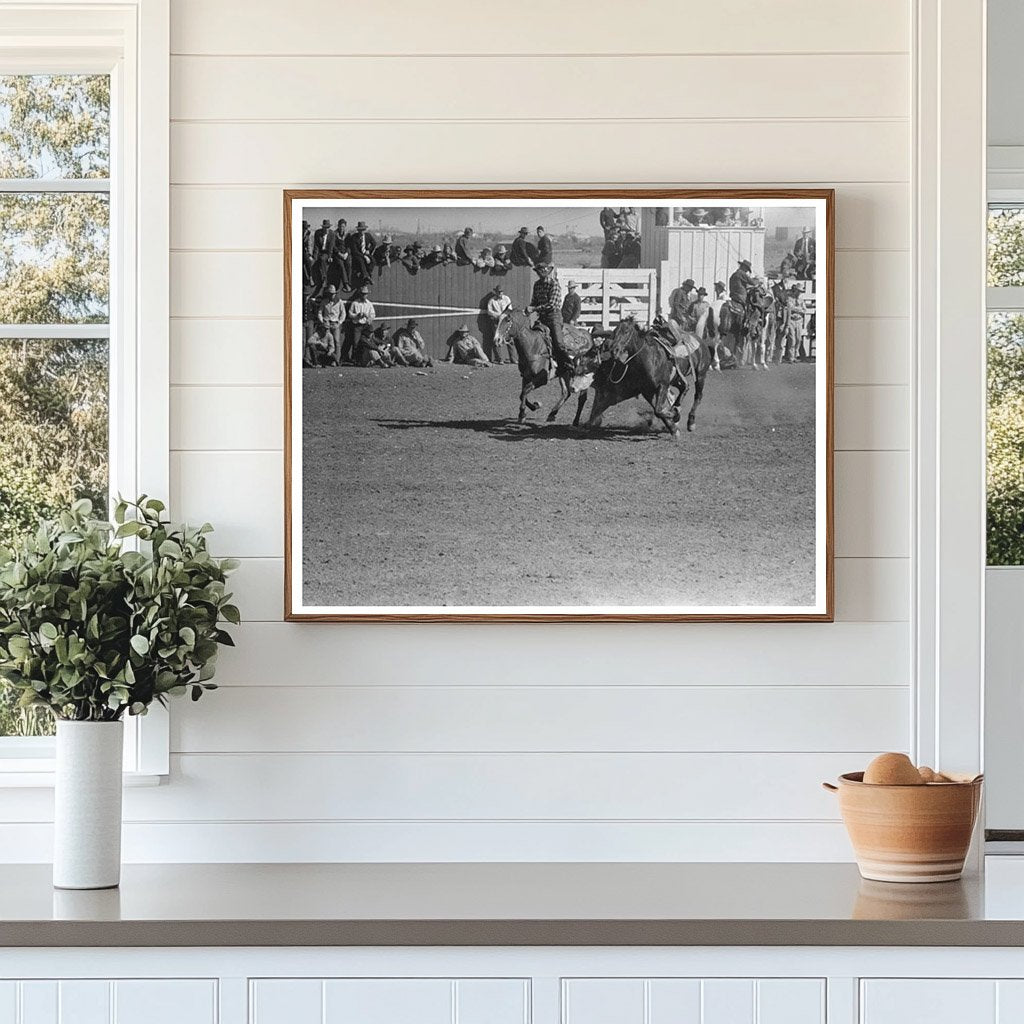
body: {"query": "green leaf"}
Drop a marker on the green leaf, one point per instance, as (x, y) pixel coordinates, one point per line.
(49, 631)
(231, 613)
(140, 644)
(170, 549)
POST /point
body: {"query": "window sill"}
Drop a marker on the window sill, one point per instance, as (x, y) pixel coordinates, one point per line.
(39, 774)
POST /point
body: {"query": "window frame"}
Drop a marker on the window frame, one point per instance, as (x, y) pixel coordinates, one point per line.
(130, 41)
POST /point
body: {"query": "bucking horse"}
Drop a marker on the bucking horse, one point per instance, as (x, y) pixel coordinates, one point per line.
(537, 365)
(653, 362)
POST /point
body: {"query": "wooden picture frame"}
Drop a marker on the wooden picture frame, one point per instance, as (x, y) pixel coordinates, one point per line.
(821, 201)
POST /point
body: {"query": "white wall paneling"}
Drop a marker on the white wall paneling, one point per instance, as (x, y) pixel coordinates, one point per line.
(235, 88)
(318, 26)
(546, 718)
(592, 742)
(259, 153)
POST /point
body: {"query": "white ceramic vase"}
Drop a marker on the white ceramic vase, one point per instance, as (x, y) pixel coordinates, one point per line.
(87, 806)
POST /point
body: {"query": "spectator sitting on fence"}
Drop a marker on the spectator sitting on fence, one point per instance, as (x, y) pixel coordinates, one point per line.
(361, 245)
(463, 247)
(571, 305)
(485, 260)
(464, 348)
(432, 258)
(523, 252)
(320, 238)
(408, 347)
(448, 253)
(386, 252)
(410, 260)
(502, 261)
(544, 252)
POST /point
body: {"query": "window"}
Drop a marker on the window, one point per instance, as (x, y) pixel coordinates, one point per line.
(1005, 477)
(84, 123)
(54, 308)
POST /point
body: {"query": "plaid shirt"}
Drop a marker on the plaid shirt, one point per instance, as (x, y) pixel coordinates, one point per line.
(547, 296)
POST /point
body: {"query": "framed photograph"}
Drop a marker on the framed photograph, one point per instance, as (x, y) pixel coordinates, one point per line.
(561, 405)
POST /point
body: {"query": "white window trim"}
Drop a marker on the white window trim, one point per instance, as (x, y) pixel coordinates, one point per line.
(130, 40)
(949, 444)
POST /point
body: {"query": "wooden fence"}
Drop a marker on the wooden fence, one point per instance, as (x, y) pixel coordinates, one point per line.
(608, 296)
(443, 298)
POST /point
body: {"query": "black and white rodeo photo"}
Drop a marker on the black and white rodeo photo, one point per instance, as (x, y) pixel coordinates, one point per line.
(559, 405)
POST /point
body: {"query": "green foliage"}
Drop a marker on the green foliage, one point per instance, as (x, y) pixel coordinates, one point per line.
(1005, 480)
(91, 630)
(1005, 247)
(53, 269)
(54, 126)
(53, 445)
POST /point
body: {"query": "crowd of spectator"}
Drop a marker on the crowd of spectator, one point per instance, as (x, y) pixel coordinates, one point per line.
(621, 237)
(334, 256)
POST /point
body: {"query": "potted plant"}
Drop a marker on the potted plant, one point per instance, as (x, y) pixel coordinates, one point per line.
(99, 620)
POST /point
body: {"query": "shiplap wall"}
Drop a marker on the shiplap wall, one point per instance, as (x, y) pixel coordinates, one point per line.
(688, 741)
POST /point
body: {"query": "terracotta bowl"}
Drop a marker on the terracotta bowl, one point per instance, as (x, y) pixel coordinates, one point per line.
(909, 833)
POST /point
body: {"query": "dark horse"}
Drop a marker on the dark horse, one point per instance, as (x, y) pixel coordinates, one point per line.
(536, 367)
(649, 362)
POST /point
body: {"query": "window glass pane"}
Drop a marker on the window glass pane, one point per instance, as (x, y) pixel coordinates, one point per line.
(54, 126)
(1005, 439)
(1005, 246)
(54, 257)
(53, 449)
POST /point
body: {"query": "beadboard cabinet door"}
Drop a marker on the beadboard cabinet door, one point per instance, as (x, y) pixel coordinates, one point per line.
(101, 1001)
(693, 1001)
(935, 1001)
(388, 1001)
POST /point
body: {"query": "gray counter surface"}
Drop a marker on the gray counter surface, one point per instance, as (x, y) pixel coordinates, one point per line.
(500, 904)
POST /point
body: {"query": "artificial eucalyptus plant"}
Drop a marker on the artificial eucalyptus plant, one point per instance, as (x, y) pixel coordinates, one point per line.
(91, 627)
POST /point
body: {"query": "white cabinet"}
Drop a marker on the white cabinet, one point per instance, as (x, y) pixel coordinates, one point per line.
(941, 1001)
(94, 1001)
(693, 1001)
(389, 1001)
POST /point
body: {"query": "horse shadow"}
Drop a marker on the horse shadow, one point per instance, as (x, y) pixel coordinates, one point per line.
(512, 431)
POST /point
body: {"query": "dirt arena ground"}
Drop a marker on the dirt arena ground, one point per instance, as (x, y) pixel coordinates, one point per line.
(424, 490)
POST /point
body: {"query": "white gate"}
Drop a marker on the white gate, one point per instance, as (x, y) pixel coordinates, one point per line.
(608, 296)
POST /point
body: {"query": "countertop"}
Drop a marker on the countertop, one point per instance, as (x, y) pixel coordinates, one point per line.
(562, 904)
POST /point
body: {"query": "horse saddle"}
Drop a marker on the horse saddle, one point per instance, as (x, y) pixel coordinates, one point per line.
(678, 343)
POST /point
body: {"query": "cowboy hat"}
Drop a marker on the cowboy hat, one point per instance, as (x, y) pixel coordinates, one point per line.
(361, 226)
(745, 263)
(463, 329)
